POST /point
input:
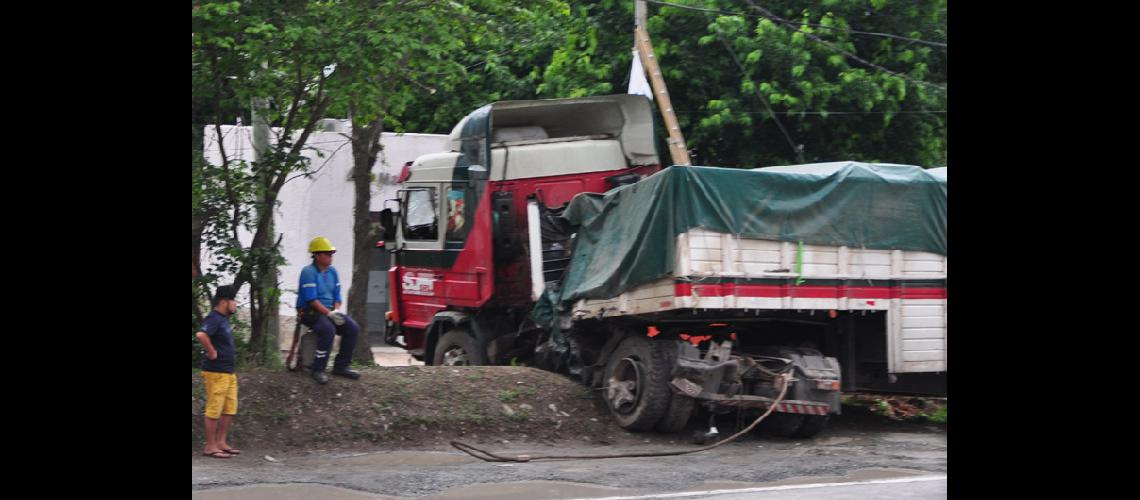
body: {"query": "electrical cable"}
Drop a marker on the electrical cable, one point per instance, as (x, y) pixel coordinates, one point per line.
(493, 457)
(847, 30)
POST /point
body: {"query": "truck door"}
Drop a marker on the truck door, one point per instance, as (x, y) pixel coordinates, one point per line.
(421, 266)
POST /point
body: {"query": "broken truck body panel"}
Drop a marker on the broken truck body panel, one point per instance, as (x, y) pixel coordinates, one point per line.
(676, 288)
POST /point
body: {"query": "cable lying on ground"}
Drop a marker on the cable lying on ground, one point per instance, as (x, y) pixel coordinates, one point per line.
(492, 457)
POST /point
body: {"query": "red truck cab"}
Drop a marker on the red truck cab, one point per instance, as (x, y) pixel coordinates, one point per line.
(462, 267)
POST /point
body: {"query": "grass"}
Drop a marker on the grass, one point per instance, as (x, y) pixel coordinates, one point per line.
(939, 416)
(508, 395)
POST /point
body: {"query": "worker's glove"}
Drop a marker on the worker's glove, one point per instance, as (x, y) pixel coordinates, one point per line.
(336, 317)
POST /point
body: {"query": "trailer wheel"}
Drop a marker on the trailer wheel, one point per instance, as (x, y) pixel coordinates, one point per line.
(811, 426)
(680, 406)
(457, 348)
(679, 412)
(782, 424)
(637, 377)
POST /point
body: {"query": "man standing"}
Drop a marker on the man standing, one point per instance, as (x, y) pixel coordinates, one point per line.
(318, 298)
(217, 339)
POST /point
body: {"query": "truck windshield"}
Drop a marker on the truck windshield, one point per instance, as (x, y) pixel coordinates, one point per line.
(420, 223)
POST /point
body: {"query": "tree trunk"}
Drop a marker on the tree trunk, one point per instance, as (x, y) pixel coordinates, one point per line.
(197, 227)
(365, 148)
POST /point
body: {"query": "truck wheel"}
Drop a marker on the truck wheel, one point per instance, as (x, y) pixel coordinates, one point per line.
(782, 424)
(680, 406)
(679, 412)
(637, 378)
(457, 348)
(811, 426)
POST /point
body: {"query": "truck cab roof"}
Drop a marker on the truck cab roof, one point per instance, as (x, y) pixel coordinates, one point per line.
(539, 138)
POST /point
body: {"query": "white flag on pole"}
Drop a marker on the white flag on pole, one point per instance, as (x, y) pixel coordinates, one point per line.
(637, 82)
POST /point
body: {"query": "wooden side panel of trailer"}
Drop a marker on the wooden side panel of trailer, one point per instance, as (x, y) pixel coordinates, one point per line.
(721, 271)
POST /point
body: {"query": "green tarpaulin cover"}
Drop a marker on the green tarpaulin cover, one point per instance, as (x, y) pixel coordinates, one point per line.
(627, 236)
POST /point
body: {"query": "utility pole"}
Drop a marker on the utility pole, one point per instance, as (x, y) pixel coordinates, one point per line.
(677, 149)
(640, 14)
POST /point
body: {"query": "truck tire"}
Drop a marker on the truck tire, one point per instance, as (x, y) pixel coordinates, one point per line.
(458, 348)
(680, 406)
(637, 378)
(677, 415)
(781, 424)
(811, 426)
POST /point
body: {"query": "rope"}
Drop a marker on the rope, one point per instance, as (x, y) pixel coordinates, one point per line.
(492, 457)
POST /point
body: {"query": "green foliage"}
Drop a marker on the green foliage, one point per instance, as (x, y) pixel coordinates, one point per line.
(422, 65)
(938, 416)
(798, 69)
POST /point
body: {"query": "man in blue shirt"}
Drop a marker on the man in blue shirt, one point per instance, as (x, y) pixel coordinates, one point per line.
(318, 298)
(217, 338)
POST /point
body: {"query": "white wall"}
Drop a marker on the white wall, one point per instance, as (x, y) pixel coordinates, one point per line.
(322, 204)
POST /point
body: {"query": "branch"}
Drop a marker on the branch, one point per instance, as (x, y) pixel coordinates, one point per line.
(326, 162)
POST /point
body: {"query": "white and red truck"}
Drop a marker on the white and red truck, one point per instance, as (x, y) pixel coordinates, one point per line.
(550, 234)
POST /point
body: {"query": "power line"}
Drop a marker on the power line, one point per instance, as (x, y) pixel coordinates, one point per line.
(847, 30)
(797, 149)
(787, 23)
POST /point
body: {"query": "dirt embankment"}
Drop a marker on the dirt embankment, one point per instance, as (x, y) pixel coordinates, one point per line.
(408, 407)
(412, 407)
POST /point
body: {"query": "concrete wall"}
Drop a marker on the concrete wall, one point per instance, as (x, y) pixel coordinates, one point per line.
(321, 205)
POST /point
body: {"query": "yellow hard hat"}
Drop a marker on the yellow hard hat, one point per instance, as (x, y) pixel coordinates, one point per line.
(321, 244)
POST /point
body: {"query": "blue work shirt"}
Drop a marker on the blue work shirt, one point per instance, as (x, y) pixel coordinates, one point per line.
(217, 327)
(324, 287)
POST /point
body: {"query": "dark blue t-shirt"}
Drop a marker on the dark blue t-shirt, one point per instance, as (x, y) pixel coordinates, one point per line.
(217, 327)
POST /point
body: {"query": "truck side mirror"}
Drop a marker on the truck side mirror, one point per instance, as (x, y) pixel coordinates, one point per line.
(388, 223)
(477, 173)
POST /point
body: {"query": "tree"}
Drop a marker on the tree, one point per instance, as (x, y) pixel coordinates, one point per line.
(751, 82)
(271, 50)
(394, 53)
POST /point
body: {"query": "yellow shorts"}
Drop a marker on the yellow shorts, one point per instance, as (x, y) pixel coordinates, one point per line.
(221, 394)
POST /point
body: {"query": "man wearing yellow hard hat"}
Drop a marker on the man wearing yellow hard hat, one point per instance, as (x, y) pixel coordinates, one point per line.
(318, 298)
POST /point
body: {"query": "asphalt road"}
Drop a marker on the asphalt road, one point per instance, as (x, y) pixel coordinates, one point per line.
(850, 450)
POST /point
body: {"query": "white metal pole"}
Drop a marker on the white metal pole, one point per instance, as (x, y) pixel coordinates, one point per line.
(534, 233)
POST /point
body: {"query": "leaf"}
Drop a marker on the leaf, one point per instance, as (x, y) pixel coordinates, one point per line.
(798, 71)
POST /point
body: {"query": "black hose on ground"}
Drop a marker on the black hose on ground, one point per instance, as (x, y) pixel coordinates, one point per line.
(492, 457)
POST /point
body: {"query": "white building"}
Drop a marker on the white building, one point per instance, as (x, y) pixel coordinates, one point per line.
(321, 204)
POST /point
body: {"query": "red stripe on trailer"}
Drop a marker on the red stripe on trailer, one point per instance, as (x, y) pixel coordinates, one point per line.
(709, 291)
(763, 291)
(682, 289)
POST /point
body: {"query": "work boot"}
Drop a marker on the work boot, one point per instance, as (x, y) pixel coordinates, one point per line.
(321, 378)
(346, 373)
